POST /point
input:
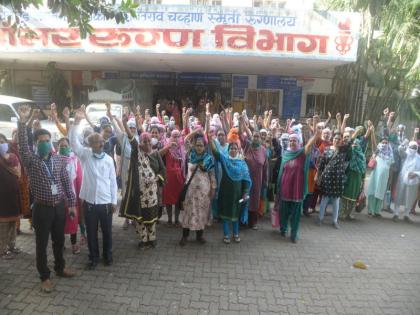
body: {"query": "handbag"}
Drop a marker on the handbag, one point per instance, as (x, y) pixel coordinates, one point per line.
(275, 218)
(361, 202)
(372, 162)
(184, 190)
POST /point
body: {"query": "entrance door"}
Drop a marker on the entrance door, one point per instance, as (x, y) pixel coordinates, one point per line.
(260, 101)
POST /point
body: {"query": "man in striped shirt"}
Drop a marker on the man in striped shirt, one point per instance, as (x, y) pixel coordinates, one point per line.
(51, 187)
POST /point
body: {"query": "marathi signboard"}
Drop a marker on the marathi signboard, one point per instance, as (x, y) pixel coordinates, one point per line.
(197, 30)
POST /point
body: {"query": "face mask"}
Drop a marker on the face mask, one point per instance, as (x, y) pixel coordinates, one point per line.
(381, 146)
(154, 141)
(99, 156)
(44, 148)
(411, 152)
(4, 147)
(171, 123)
(65, 151)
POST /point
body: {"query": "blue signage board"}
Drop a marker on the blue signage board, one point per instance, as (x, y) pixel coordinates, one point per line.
(197, 76)
(275, 82)
(292, 97)
(152, 75)
(240, 84)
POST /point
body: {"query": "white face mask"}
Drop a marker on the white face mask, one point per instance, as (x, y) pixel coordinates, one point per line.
(154, 141)
(4, 147)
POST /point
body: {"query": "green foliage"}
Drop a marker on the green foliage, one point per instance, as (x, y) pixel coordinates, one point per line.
(58, 87)
(77, 12)
(388, 64)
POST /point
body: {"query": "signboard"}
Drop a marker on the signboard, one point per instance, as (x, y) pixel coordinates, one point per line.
(240, 84)
(196, 30)
(292, 97)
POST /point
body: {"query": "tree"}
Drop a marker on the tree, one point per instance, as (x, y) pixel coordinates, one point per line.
(58, 88)
(77, 12)
(387, 69)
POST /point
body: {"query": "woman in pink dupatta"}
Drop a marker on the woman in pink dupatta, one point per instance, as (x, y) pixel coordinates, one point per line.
(75, 171)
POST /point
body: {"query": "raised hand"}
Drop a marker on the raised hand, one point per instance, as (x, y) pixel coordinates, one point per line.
(138, 110)
(66, 113)
(386, 111)
(416, 130)
(391, 114)
(108, 110)
(338, 116)
(24, 113)
(346, 116)
(329, 115)
(270, 112)
(53, 111)
(83, 109)
(78, 116)
(157, 107)
(369, 123)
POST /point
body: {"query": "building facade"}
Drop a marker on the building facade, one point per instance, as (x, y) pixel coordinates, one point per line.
(260, 56)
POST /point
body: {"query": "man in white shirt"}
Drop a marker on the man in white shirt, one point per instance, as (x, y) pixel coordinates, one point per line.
(99, 191)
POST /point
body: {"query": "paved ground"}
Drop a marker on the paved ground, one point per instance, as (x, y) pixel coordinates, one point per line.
(264, 274)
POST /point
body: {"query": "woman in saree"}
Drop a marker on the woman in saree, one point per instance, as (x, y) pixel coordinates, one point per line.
(256, 159)
(146, 173)
(200, 191)
(234, 186)
(292, 183)
(378, 181)
(223, 146)
(354, 177)
(10, 205)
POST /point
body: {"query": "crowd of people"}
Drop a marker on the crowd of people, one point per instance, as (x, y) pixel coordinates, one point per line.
(227, 168)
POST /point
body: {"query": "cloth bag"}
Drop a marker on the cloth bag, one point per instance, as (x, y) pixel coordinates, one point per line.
(275, 218)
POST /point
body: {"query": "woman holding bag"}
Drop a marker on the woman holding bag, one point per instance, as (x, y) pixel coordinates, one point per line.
(201, 189)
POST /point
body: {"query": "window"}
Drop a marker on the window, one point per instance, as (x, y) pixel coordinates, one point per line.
(257, 3)
(216, 2)
(6, 113)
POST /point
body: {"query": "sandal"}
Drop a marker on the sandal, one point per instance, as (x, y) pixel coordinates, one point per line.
(75, 249)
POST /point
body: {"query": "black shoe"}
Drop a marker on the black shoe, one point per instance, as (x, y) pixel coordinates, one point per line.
(183, 242)
(294, 241)
(152, 244)
(141, 245)
(282, 233)
(201, 240)
(91, 266)
(108, 262)
(306, 214)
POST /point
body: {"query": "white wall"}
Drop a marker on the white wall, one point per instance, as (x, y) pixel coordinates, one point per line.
(320, 86)
(237, 3)
(176, 2)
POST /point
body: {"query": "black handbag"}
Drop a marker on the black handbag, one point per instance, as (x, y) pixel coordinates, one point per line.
(184, 190)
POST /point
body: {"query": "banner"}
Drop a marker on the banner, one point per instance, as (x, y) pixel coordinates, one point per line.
(196, 30)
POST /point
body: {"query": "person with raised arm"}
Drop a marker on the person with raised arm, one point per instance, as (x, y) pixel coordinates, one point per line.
(256, 159)
(52, 191)
(146, 173)
(99, 191)
(292, 184)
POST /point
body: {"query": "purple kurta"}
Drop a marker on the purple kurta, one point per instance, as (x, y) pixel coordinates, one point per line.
(257, 163)
(292, 179)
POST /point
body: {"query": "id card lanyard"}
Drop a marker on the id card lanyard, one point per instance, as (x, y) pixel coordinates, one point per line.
(54, 190)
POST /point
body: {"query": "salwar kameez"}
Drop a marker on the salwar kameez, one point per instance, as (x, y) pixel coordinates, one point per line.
(378, 184)
(292, 189)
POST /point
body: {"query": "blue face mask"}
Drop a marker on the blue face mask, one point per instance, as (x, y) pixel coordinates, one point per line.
(99, 156)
